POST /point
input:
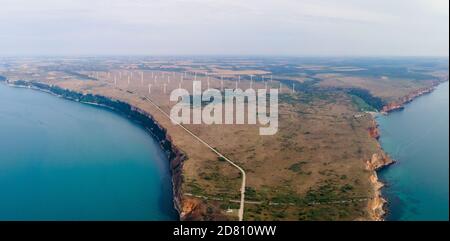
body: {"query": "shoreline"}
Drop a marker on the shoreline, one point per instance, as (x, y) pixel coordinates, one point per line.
(175, 156)
(399, 104)
(378, 161)
(377, 206)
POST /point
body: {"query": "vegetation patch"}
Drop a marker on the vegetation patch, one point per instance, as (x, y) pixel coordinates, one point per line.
(297, 167)
(374, 102)
(361, 104)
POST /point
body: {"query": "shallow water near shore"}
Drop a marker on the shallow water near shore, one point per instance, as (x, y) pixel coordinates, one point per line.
(62, 160)
(417, 137)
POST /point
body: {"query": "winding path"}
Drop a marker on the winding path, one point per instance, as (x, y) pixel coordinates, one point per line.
(242, 201)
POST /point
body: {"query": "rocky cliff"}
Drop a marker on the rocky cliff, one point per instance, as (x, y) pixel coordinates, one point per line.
(376, 204)
(376, 162)
(399, 104)
(374, 131)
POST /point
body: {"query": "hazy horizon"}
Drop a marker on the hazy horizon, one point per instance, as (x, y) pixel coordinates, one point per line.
(226, 56)
(260, 28)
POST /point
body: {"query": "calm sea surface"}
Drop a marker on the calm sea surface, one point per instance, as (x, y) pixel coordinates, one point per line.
(62, 160)
(417, 137)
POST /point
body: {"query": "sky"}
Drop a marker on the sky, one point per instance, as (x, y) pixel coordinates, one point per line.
(225, 27)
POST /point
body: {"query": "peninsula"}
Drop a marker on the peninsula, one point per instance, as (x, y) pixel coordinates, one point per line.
(320, 165)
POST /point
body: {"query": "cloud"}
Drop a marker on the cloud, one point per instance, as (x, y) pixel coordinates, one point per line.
(294, 27)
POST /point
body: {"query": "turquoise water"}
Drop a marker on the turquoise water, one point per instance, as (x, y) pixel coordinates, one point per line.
(62, 160)
(418, 139)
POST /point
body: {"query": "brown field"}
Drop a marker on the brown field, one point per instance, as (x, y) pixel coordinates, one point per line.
(314, 168)
(385, 88)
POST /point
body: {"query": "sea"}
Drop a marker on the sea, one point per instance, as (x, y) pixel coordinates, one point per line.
(63, 160)
(417, 138)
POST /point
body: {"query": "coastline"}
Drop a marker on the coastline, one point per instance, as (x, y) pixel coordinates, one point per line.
(377, 206)
(400, 103)
(185, 208)
(175, 156)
